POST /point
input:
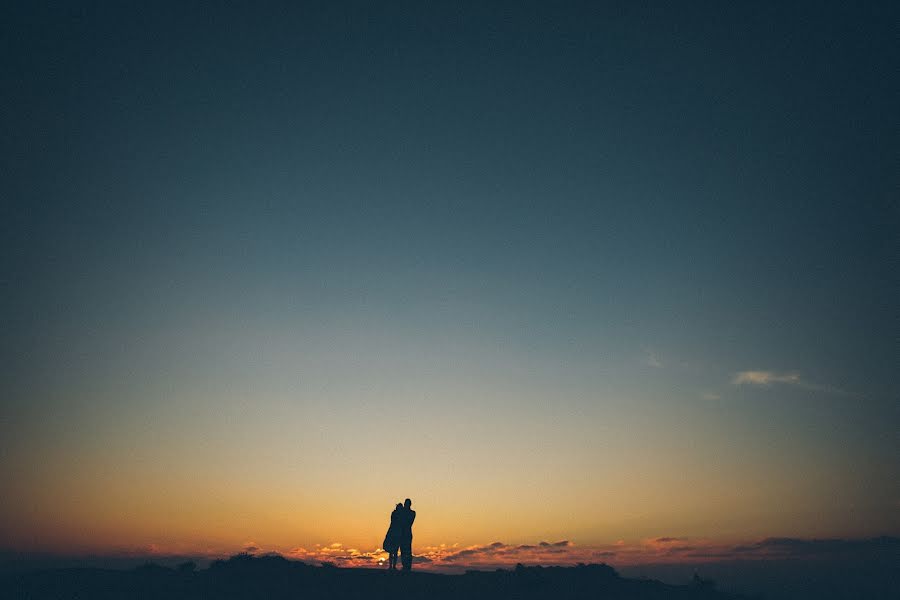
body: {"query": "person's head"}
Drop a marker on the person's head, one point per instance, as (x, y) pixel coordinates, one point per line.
(399, 506)
(407, 503)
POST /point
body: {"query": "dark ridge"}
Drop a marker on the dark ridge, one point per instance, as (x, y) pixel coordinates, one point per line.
(246, 576)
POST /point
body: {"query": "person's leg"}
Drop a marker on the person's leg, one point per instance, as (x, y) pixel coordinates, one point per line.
(406, 554)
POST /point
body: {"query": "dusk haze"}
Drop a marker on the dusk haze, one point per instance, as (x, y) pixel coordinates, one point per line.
(587, 282)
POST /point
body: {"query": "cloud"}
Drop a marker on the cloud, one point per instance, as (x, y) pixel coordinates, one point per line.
(767, 378)
(783, 547)
(764, 378)
(656, 550)
(710, 396)
(651, 359)
(462, 554)
(499, 554)
(665, 549)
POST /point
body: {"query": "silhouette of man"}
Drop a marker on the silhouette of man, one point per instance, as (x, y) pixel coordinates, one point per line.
(407, 516)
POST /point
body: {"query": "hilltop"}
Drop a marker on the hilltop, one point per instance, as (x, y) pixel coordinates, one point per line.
(245, 577)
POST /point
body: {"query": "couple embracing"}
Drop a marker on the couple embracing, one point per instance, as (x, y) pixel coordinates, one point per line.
(399, 536)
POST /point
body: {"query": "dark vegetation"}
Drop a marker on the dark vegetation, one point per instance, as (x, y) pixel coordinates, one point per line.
(246, 576)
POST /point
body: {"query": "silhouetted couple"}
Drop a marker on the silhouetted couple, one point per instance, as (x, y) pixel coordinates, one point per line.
(399, 536)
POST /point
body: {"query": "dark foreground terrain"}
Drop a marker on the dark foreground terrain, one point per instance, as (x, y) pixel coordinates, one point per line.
(275, 577)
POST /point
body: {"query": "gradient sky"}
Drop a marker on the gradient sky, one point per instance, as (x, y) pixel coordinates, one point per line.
(587, 272)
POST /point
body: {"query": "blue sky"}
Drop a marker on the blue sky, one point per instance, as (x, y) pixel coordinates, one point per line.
(623, 239)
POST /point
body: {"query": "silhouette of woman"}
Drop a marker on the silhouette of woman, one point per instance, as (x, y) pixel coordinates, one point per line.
(392, 537)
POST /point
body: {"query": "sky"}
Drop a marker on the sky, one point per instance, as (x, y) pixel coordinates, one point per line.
(588, 274)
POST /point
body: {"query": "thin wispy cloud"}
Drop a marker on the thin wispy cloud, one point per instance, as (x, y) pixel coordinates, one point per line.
(769, 378)
(764, 378)
(652, 359)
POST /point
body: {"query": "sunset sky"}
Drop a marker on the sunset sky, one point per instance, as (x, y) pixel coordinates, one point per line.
(594, 275)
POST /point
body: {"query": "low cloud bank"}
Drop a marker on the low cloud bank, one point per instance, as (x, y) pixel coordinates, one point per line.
(658, 550)
(661, 549)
